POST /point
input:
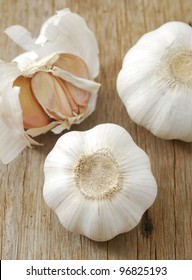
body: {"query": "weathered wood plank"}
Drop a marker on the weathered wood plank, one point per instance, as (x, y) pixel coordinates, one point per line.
(28, 229)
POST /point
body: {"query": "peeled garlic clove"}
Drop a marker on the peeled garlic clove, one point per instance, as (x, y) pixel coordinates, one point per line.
(99, 182)
(33, 114)
(50, 95)
(155, 82)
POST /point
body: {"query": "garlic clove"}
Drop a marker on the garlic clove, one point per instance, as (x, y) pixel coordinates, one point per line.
(155, 81)
(33, 114)
(77, 67)
(89, 93)
(73, 64)
(81, 97)
(66, 90)
(99, 182)
(50, 95)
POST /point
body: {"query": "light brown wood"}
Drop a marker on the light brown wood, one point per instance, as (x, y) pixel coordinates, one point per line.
(28, 228)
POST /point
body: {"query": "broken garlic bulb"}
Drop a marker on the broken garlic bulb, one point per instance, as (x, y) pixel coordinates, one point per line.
(155, 82)
(99, 182)
(53, 81)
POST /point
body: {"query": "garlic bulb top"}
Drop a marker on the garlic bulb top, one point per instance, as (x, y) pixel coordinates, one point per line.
(155, 82)
(51, 84)
(99, 182)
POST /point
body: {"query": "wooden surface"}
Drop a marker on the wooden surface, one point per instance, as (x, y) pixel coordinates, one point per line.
(28, 229)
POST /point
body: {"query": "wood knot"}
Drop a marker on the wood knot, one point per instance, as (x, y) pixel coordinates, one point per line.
(146, 225)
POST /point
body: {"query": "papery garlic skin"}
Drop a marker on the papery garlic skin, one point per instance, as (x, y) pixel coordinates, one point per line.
(99, 182)
(155, 82)
(65, 59)
(64, 32)
(13, 136)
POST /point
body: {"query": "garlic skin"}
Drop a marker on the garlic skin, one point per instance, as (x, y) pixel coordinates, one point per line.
(13, 136)
(99, 182)
(155, 82)
(64, 32)
(54, 78)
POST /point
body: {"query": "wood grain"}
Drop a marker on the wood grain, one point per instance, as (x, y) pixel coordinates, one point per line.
(28, 229)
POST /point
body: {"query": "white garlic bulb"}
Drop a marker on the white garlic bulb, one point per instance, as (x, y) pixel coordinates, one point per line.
(51, 85)
(155, 82)
(99, 182)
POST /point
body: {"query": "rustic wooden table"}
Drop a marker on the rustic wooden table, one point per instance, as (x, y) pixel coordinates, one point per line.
(28, 228)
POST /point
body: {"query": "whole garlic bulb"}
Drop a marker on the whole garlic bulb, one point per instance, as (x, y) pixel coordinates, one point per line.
(155, 82)
(51, 85)
(99, 182)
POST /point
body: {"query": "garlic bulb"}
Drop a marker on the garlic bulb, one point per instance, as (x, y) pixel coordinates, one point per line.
(99, 182)
(52, 83)
(155, 82)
